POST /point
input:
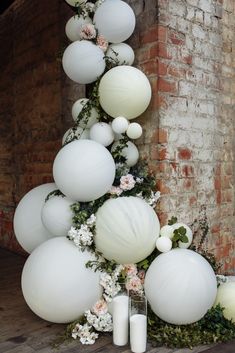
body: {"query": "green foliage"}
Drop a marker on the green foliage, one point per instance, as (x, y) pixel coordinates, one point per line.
(213, 327)
(54, 193)
(172, 221)
(179, 235)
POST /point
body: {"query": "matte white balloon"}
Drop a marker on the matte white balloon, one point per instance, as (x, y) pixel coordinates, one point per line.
(102, 133)
(189, 234)
(180, 286)
(121, 54)
(84, 170)
(226, 299)
(124, 91)
(126, 229)
(77, 133)
(56, 284)
(164, 244)
(120, 124)
(77, 108)
(134, 131)
(57, 215)
(28, 227)
(74, 25)
(115, 20)
(167, 231)
(83, 62)
(130, 152)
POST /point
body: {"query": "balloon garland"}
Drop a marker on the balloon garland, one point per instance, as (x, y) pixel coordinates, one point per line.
(105, 199)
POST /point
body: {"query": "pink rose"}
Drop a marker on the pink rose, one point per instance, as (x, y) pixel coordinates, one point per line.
(127, 182)
(134, 283)
(130, 269)
(88, 31)
(115, 190)
(141, 275)
(100, 307)
(102, 42)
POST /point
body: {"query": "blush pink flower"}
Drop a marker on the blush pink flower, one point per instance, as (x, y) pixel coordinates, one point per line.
(141, 275)
(115, 190)
(100, 307)
(102, 43)
(130, 269)
(88, 31)
(127, 182)
(134, 284)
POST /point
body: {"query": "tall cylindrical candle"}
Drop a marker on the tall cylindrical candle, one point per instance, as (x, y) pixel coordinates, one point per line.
(120, 319)
(138, 333)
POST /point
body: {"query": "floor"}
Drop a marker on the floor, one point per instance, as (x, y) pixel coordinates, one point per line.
(23, 332)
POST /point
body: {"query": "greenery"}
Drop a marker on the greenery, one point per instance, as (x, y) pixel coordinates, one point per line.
(212, 328)
(54, 193)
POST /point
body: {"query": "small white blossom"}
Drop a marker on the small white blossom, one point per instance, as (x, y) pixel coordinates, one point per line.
(154, 197)
(101, 323)
(72, 233)
(139, 180)
(82, 236)
(91, 220)
(84, 333)
(115, 190)
(127, 182)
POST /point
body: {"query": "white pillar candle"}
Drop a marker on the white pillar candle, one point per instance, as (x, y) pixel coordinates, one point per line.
(120, 319)
(138, 333)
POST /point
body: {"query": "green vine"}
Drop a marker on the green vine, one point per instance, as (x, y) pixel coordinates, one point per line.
(54, 193)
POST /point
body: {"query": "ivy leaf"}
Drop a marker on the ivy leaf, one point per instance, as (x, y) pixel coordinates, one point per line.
(184, 238)
(172, 221)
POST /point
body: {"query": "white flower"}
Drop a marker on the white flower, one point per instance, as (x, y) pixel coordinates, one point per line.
(110, 285)
(72, 233)
(154, 197)
(82, 236)
(127, 182)
(91, 220)
(90, 7)
(84, 333)
(101, 322)
(139, 180)
(115, 190)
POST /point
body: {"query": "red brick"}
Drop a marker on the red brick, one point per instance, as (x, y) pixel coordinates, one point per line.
(166, 85)
(184, 153)
(176, 71)
(156, 33)
(176, 38)
(163, 51)
(162, 68)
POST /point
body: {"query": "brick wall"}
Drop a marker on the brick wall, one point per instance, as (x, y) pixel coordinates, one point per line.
(186, 48)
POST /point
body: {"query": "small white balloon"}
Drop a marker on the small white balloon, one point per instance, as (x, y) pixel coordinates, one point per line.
(226, 299)
(134, 131)
(130, 152)
(189, 235)
(28, 227)
(76, 110)
(167, 231)
(56, 284)
(83, 62)
(77, 133)
(120, 125)
(84, 170)
(57, 215)
(102, 133)
(74, 25)
(121, 53)
(164, 244)
(115, 20)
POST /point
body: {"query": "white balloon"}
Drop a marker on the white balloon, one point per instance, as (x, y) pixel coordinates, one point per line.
(74, 25)
(84, 170)
(102, 133)
(126, 229)
(226, 299)
(134, 131)
(189, 234)
(83, 61)
(77, 133)
(130, 152)
(167, 231)
(115, 20)
(180, 286)
(56, 284)
(57, 215)
(164, 244)
(28, 227)
(120, 125)
(124, 91)
(121, 53)
(76, 110)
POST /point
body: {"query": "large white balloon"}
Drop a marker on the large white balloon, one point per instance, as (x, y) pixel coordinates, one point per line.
(76, 110)
(124, 91)
(121, 53)
(180, 286)
(74, 26)
(83, 61)
(226, 299)
(57, 215)
(102, 133)
(84, 170)
(130, 152)
(115, 20)
(56, 284)
(126, 229)
(28, 227)
(76, 133)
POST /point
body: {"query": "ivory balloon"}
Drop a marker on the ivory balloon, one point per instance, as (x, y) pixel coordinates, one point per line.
(76, 110)
(115, 20)
(28, 227)
(124, 91)
(167, 231)
(189, 234)
(74, 25)
(226, 299)
(84, 170)
(77, 133)
(130, 152)
(180, 286)
(121, 53)
(56, 284)
(126, 229)
(57, 215)
(83, 61)
(102, 133)
(134, 131)
(164, 244)
(120, 125)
